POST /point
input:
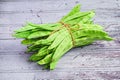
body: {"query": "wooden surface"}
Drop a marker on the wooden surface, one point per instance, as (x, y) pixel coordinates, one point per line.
(99, 61)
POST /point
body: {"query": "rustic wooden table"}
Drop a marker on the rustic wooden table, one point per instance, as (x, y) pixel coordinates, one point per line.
(99, 61)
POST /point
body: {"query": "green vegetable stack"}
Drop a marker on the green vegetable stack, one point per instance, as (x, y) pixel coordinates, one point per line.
(49, 42)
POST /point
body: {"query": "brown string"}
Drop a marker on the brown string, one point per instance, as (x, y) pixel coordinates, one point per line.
(67, 26)
(69, 30)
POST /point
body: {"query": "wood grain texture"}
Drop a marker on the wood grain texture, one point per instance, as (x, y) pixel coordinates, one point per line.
(99, 61)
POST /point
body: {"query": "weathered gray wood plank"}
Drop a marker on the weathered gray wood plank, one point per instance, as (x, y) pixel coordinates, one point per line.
(80, 75)
(17, 76)
(83, 61)
(11, 45)
(21, 18)
(24, 17)
(43, 5)
(101, 46)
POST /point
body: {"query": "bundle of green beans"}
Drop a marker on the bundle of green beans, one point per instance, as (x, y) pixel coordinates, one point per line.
(49, 42)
